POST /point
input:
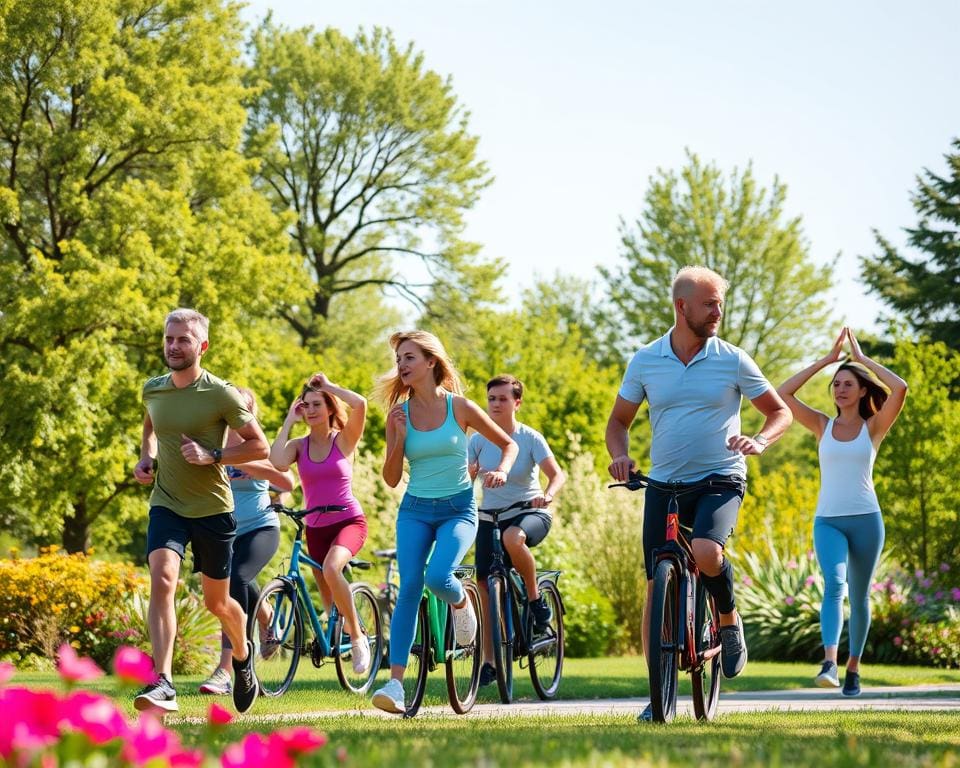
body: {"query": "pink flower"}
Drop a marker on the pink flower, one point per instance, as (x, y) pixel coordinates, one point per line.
(919, 573)
(148, 739)
(944, 567)
(936, 651)
(938, 595)
(955, 594)
(255, 750)
(792, 564)
(218, 716)
(747, 580)
(6, 672)
(36, 724)
(898, 641)
(299, 740)
(810, 581)
(789, 599)
(95, 716)
(341, 754)
(926, 583)
(132, 665)
(73, 668)
(919, 599)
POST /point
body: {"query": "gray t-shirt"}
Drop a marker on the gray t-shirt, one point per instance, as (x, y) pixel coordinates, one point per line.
(523, 482)
(694, 408)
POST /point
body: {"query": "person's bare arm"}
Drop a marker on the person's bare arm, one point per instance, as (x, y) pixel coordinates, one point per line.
(618, 438)
(476, 418)
(879, 424)
(777, 418)
(143, 471)
(396, 434)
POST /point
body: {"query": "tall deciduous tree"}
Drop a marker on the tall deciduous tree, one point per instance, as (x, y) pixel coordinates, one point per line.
(776, 304)
(916, 465)
(926, 291)
(369, 152)
(124, 194)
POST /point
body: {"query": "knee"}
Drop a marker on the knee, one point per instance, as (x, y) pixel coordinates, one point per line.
(218, 605)
(514, 540)
(163, 581)
(708, 556)
(833, 584)
(332, 570)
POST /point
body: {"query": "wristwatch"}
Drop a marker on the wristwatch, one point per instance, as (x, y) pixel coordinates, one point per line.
(762, 440)
(217, 455)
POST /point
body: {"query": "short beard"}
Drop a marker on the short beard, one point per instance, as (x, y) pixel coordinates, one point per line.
(183, 365)
(700, 329)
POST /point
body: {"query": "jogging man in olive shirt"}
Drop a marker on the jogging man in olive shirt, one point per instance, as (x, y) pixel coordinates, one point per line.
(188, 412)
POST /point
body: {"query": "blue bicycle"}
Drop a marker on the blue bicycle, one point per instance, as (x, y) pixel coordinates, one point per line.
(286, 602)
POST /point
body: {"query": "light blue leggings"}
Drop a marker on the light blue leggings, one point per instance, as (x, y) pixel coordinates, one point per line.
(848, 549)
(449, 526)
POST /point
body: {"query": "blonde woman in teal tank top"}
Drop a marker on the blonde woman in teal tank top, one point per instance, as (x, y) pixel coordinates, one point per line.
(427, 424)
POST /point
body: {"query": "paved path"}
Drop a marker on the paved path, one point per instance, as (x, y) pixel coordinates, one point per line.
(913, 697)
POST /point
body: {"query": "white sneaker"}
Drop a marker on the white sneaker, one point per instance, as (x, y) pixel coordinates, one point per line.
(360, 654)
(464, 624)
(390, 698)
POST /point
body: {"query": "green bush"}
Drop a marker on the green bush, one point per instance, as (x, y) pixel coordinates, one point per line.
(780, 602)
(915, 618)
(590, 622)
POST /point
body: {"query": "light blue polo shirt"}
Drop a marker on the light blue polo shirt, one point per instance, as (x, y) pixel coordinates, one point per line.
(695, 408)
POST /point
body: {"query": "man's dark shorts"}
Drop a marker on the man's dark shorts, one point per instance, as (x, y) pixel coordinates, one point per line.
(535, 524)
(211, 539)
(711, 513)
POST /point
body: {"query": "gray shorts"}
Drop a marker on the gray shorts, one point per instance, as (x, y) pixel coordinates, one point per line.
(710, 512)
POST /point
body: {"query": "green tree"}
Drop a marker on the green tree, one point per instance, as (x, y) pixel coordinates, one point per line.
(925, 291)
(124, 195)
(370, 153)
(776, 305)
(916, 464)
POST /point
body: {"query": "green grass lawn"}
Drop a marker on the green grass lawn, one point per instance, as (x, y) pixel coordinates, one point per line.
(816, 739)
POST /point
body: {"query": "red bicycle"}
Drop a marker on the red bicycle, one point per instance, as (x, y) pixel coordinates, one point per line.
(684, 622)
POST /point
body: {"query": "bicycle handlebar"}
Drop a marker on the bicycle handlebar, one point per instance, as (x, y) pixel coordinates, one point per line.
(299, 514)
(638, 480)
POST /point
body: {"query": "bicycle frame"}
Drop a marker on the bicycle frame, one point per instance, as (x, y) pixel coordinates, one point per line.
(324, 636)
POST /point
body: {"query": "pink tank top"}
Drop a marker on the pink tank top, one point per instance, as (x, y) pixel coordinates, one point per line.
(327, 482)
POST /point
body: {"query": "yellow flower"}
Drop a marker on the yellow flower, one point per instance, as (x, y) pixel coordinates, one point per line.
(74, 629)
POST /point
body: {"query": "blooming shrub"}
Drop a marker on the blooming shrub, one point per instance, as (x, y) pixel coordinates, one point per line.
(780, 601)
(56, 597)
(83, 728)
(916, 618)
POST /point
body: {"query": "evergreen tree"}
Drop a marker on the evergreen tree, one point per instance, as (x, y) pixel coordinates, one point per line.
(926, 291)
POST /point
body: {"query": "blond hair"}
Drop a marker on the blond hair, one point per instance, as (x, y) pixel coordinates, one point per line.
(690, 277)
(192, 319)
(390, 390)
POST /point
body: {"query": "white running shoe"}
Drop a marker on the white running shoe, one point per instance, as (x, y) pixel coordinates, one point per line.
(360, 655)
(464, 624)
(390, 698)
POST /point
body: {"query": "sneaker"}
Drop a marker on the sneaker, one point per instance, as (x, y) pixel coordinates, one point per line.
(541, 614)
(733, 649)
(269, 645)
(828, 676)
(488, 674)
(246, 687)
(360, 655)
(464, 624)
(390, 698)
(647, 715)
(218, 684)
(851, 684)
(158, 695)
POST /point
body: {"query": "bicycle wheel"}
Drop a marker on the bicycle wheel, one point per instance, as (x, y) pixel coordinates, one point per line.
(705, 677)
(546, 649)
(463, 661)
(368, 614)
(278, 650)
(418, 664)
(502, 643)
(663, 642)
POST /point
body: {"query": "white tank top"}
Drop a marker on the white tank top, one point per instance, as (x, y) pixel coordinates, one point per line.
(846, 475)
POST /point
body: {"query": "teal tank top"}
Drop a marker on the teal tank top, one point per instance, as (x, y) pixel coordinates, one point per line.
(438, 458)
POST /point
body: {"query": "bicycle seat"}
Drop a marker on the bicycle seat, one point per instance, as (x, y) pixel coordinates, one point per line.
(387, 554)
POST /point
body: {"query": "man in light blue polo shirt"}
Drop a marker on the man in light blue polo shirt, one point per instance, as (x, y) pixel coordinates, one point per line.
(693, 382)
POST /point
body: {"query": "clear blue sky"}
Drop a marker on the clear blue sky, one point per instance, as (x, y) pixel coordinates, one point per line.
(577, 104)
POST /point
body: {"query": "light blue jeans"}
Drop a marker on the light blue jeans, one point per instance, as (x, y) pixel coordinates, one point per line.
(449, 527)
(848, 550)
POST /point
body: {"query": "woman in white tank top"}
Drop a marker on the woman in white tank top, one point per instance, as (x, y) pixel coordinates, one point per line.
(848, 526)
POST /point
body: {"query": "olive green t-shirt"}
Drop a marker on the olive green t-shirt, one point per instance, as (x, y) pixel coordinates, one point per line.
(202, 411)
